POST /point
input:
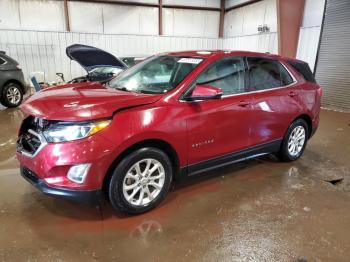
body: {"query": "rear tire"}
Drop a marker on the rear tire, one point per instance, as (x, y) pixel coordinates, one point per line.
(11, 95)
(141, 181)
(294, 141)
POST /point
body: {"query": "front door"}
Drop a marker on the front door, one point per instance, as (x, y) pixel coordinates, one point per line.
(220, 126)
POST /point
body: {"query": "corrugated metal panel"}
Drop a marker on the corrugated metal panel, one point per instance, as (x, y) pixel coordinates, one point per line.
(257, 43)
(333, 68)
(45, 51)
(308, 43)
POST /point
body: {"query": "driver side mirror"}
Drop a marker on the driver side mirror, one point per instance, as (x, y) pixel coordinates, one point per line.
(204, 92)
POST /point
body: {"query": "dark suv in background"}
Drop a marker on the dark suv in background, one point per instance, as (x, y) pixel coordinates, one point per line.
(12, 86)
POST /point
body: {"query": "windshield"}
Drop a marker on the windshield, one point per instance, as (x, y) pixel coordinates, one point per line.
(155, 75)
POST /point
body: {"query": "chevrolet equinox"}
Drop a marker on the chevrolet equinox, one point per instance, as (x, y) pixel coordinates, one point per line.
(172, 115)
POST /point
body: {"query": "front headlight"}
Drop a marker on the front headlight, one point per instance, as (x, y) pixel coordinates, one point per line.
(63, 132)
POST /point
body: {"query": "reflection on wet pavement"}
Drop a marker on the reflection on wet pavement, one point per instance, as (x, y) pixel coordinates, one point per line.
(259, 210)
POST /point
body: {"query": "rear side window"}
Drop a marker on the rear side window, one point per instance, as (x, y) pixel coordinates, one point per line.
(304, 70)
(266, 74)
(227, 74)
(2, 61)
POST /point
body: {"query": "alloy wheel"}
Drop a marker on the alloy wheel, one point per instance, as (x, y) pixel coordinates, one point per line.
(13, 95)
(296, 140)
(143, 182)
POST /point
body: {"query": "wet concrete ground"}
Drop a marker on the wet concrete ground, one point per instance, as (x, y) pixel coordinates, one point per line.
(260, 210)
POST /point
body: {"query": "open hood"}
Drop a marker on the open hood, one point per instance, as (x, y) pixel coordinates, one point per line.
(90, 57)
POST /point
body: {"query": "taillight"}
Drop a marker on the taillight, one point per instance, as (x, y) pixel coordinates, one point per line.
(320, 91)
(19, 67)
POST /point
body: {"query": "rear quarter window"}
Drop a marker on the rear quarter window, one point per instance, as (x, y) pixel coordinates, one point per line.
(265, 73)
(304, 70)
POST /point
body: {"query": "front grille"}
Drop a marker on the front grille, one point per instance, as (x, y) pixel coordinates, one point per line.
(28, 142)
(28, 174)
(30, 139)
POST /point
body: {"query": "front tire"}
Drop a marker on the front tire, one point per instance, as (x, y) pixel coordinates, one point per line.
(11, 95)
(294, 141)
(140, 181)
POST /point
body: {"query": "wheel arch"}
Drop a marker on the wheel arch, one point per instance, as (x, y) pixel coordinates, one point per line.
(15, 82)
(155, 143)
(308, 121)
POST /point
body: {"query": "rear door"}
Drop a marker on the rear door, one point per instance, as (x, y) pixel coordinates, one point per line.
(275, 102)
(220, 126)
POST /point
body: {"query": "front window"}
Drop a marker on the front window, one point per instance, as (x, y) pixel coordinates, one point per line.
(156, 75)
(227, 74)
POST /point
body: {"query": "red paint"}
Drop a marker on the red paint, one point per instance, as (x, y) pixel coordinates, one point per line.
(206, 91)
(226, 125)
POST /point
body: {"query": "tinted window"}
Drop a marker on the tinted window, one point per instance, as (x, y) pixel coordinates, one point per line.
(227, 74)
(266, 74)
(285, 76)
(304, 70)
(2, 61)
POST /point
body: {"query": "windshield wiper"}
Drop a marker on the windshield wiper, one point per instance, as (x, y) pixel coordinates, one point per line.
(123, 88)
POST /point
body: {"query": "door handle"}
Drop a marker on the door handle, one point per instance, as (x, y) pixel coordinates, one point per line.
(292, 94)
(244, 103)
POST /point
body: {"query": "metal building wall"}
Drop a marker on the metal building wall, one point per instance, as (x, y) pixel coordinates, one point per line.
(181, 22)
(107, 18)
(45, 51)
(244, 21)
(241, 27)
(333, 65)
(258, 43)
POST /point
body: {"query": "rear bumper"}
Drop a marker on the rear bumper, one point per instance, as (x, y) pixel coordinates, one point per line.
(92, 197)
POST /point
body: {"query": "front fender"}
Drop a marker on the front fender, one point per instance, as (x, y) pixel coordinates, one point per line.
(141, 124)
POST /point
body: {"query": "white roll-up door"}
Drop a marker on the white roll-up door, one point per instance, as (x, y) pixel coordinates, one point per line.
(333, 65)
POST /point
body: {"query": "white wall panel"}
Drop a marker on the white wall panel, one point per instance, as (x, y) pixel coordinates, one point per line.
(201, 3)
(9, 15)
(180, 22)
(41, 15)
(108, 18)
(85, 17)
(310, 31)
(45, 51)
(32, 15)
(313, 13)
(113, 19)
(247, 19)
(234, 21)
(257, 43)
(270, 17)
(130, 20)
(140, 1)
(308, 44)
(230, 3)
(254, 16)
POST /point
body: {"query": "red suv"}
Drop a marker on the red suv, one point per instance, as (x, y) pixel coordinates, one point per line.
(172, 115)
